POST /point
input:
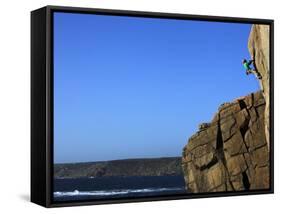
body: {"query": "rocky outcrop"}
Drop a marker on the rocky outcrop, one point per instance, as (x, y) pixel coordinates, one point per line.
(258, 45)
(230, 153)
(128, 167)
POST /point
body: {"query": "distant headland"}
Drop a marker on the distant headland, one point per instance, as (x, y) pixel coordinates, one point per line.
(126, 167)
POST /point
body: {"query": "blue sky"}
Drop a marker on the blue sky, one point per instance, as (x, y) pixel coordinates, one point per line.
(129, 87)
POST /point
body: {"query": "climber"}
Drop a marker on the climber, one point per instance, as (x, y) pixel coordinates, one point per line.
(249, 70)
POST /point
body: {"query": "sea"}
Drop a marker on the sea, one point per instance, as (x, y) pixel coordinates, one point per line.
(73, 189)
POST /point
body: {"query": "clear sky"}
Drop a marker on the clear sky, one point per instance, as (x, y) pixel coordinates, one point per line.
(138, 87)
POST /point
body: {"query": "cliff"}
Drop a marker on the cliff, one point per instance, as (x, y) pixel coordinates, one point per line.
(231, 153)
(258, 45)
(128, 167)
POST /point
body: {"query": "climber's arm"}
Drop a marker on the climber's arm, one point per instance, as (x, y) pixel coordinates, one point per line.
(250, 62)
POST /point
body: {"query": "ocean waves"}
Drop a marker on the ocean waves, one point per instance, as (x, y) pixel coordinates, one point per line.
(112, 192)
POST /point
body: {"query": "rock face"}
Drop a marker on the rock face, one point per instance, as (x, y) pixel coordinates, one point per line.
(230, 153)
(258, 45)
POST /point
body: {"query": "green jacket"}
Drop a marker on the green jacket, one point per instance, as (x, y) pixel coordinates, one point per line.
(246, 65)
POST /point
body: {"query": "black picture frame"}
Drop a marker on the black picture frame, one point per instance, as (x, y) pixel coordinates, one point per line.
(42, 102)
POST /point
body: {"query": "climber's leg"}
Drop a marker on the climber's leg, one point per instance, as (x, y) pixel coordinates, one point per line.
(258, 75)
(249, 71)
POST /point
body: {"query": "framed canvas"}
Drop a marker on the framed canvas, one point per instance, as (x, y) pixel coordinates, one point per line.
(130, 106)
